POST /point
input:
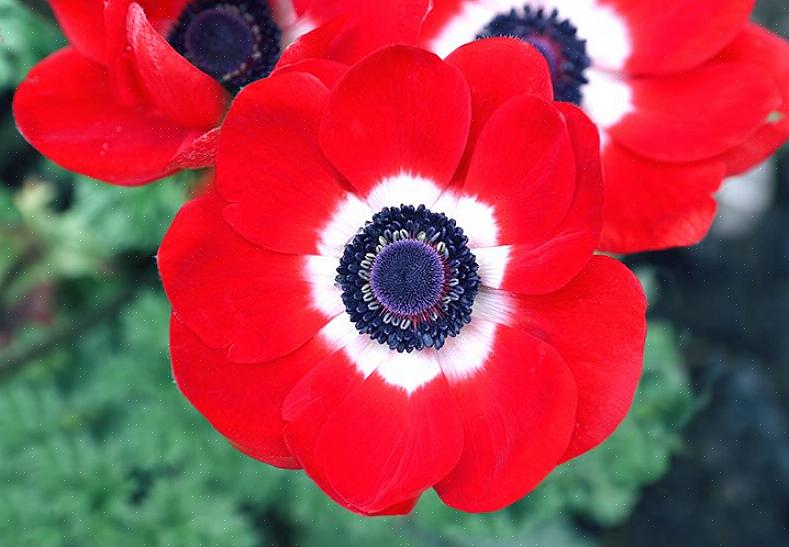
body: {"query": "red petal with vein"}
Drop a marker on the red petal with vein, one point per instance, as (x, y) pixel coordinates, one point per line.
(371, 25)
(675, 35)
(242, 401)
(518, 415)
(655, 205)
(399, 110)
(770, 52)
(529, 177)
(271, 167)
(597, 323)
(383, 446)
(550, 265)
(231, 293)
(83, 24)
(183, 93)
(698, 114)
(497, 70)
(67, 110)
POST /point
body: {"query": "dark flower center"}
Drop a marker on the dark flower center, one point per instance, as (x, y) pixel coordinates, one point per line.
(235, 41)
(556, 39)
(408, 278)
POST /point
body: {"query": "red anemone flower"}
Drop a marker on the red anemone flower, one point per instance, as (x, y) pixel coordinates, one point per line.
(684, 92)
(143, 86)
(394, 287)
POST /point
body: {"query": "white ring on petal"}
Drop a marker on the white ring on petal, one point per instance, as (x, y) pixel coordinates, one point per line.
(476, 217)
(492, 263)
(320, 272)
(403, 189)
(408, 371)
(468, 352)
(494, 306)
(607, 98)
(350, 215)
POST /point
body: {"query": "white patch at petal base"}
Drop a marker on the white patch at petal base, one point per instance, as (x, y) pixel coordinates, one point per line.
(607, 98)
(494, 306)
(403, 189)
(350, 215)
(476, 217)
(339, 332)
(408, 371)
(492, 263)
(464, 354)
(320, 273)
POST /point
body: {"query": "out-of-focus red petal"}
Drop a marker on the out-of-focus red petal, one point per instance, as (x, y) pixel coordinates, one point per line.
(771, 53)
(652, 205)
(82, 22)
(518, 415)
(282, 189)
(597, 324)
(698, 114)
(676, 35)
(66, 108)
(370, 25)
(175, 86)
(233, 294)
(399, 111)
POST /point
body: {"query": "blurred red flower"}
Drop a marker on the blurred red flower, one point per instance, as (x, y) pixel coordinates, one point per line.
(684, 92)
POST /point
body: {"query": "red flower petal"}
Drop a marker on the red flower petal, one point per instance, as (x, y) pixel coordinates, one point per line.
(371, 25)
(271, 166)
(771, 53)
(597, 323)
(382, 445)
(183, 93)
(83, 24)
(327, 71)
(233, 294)
(542, 268)
(400, 110)
(497, 70)
(675, 35)
(518, 414)
(698, 114)
(654, 205)
(371, 445)
(67, 109)
(243, 402)
(529, 176)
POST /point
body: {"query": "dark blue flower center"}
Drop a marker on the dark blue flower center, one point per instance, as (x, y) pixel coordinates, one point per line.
(235, 41)
(408, 278)
(557, 40)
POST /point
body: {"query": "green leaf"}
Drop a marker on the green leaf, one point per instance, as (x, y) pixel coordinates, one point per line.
(25, 38)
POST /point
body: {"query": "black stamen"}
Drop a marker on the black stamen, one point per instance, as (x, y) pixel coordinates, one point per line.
(408, 278)
(235, 41)
(556, 39)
